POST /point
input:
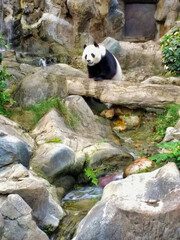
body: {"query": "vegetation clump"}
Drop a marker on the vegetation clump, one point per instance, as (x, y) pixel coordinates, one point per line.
(170, 46)
(167, 118)
(37, 111)
(5, 97)
(91, 174)
(172, 155)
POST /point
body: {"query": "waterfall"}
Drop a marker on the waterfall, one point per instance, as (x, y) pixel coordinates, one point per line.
(6, 22)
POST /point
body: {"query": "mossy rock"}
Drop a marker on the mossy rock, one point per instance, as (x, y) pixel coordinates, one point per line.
(60, 52)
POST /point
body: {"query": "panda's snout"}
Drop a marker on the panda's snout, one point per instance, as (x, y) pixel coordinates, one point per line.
(88, 60)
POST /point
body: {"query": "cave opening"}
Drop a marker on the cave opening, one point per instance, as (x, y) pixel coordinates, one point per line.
(140, 24)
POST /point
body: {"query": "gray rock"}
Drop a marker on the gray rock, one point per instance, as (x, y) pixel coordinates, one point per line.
(172, 133)
(108, 155)
(18, 180)
(15, 144)
(162, 80)
(11, 128)
(90, 125)
(54, 158)
(45, 83)
(17, 219)
(13, 150)
(112, 45)
(133, 208)
(86, 139)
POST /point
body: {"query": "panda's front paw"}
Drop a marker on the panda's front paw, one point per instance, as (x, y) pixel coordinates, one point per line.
(98, 78)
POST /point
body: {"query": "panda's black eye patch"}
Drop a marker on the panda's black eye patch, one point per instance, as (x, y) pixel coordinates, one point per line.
(86, 56)
(92, 55)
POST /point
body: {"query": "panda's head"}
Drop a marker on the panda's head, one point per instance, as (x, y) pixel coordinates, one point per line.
(93, 53)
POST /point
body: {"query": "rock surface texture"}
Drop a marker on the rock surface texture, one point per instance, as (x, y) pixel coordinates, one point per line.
(137, 207)
(71, 22)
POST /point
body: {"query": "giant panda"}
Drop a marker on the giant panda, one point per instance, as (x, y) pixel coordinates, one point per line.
(101, 64)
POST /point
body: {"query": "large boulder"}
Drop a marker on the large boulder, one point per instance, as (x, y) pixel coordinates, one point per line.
(142, 206)
(45, 83)
(90, 138)
(17, 221)
(16, 179)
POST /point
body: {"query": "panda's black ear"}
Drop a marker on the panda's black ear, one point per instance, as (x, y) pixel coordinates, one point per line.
(85, 46)
(95, 44)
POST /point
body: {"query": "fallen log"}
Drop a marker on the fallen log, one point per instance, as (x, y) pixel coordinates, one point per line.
(133, 95)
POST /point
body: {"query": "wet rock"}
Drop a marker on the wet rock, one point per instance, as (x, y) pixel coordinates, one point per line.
(138, 165)
(133, 203)
(103, 181)
(126, 123)
(172, 133)
(107, 113)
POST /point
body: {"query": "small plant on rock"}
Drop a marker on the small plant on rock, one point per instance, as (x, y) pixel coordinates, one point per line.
(170, 46)
(91, 174)
(5, 98)
(173, 154)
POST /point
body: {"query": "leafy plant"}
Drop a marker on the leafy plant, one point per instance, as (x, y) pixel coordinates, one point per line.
(4, 75)
(3, 44)
(168, 118)
(172, 156)
(91, 174)
(170, 46)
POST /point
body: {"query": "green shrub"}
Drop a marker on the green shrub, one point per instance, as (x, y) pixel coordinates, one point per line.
(170, 46)
(172, 156)
(168, 118)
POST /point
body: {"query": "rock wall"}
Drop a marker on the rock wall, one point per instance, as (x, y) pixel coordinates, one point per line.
(33, 26)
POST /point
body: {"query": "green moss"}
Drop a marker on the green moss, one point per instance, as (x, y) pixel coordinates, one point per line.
(54, 140)
(30, 116)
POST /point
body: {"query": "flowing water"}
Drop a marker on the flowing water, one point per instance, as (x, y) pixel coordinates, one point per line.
(76, 204)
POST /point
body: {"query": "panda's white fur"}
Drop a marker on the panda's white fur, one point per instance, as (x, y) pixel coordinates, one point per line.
(93, 55)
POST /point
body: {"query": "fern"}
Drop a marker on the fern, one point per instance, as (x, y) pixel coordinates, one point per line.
(172, 156)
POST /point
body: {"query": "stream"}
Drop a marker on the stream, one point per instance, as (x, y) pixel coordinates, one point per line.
(77, 203)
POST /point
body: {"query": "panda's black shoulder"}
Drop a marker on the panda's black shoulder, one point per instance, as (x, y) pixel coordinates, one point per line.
(108, 59)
